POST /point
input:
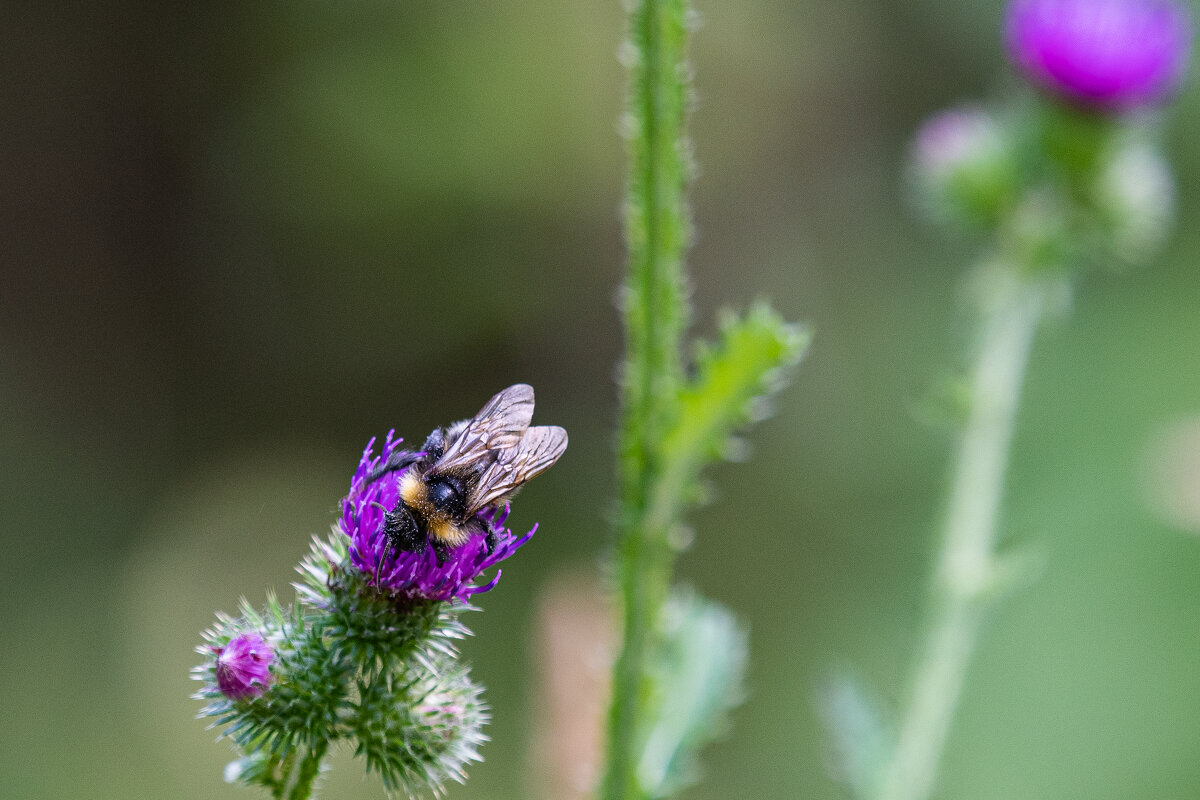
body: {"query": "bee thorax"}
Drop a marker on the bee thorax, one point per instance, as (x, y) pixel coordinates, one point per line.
(446, 497)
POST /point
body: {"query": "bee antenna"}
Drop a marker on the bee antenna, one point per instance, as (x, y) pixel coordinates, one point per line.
(383, 556)
(379, 564)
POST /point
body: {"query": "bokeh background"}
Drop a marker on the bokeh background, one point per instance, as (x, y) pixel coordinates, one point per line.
(239, 239)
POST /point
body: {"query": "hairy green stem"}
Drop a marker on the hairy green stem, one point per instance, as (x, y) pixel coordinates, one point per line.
(655, 312)
(307, 771)
(967, 567)
(278, 786)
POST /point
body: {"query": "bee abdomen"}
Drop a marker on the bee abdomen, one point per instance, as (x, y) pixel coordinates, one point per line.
(449, 533)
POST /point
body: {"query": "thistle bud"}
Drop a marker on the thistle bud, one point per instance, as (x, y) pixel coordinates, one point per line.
(963, 166)
(243, 666)
(1135, 194)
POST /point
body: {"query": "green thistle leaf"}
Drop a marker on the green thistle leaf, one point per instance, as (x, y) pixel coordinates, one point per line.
(859, 732)
(697, 674)
(735, 379)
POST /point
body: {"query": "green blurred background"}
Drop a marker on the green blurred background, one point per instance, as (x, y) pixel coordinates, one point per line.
(239, 239)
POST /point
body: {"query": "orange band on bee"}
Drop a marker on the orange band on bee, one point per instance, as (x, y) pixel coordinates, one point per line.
(448, 532)
(412, 490)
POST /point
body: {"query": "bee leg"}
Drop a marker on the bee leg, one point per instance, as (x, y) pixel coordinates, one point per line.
(441, 549)
(399, 459)
(402, 531)
(435, 445)
(477, 526)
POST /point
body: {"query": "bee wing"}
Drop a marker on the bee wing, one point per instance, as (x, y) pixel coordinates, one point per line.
(536, 452)
(498, 426)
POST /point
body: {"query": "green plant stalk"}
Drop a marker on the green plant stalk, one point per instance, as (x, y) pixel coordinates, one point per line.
(307, 771)
(655, 313)
(286, 770)
(967, 570)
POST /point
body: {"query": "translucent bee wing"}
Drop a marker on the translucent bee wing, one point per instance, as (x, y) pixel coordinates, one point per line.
(498, 426)
(536, 452)
(514, 404)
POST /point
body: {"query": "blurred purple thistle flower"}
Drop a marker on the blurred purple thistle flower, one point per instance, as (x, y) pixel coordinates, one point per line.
(415, 575)
(243, 666)
(1105, 54)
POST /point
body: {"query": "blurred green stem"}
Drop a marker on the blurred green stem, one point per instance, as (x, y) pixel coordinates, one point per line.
(968, 567)
(307, 771)
(655, 311)
(283, 766)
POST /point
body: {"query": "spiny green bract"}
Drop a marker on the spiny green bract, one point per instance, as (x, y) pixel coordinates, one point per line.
(420, 730)
(366, 625)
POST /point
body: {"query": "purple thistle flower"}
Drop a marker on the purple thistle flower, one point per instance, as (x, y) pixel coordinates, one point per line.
(415, 575)
(243, 666)
(1105, 54)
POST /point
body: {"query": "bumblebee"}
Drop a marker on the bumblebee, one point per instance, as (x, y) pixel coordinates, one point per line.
(465, 468)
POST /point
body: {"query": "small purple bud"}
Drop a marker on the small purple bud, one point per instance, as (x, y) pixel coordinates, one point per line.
(243, 666)
(964, 166)
(1105, 54)
(952, 138)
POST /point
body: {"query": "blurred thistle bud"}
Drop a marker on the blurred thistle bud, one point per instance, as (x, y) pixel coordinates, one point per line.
(243, 666)
(1111, 55)
(1135, 198)
(964, 166)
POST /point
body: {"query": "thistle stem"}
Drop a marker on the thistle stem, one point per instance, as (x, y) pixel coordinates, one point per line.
(655, 312)
(286, 764)
(967, 566)
(307, 771)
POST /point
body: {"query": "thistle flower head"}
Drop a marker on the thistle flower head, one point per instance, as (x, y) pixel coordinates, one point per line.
(415, 575)
(1104, 54)
(243, 666)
